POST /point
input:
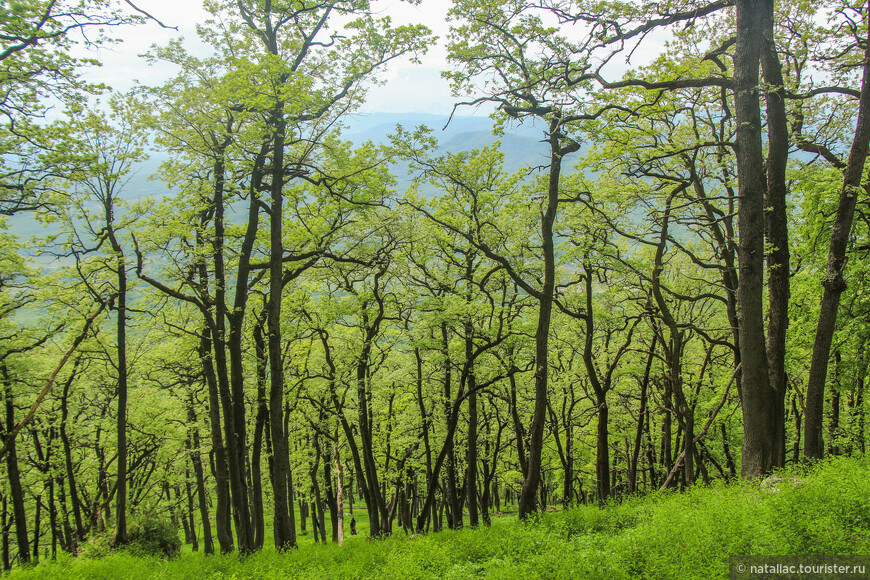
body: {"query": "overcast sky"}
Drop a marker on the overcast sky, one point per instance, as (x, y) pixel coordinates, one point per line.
(410, 87)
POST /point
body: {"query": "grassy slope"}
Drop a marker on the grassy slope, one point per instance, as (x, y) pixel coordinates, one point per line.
(667, 535)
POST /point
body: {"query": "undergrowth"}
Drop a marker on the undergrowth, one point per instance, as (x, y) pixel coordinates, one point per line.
(663, 535)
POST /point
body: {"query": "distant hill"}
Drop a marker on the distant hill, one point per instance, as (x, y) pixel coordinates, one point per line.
(522, 144)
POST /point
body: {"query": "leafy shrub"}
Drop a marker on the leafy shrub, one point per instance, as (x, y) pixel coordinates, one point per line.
(152, 536)
(98, 545)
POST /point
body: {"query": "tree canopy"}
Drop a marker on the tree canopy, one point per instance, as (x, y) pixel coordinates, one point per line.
(301, 325)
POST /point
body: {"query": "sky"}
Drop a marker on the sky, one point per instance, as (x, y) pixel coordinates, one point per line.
(410, 87)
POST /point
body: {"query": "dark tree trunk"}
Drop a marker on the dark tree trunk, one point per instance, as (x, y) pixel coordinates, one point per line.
(68, 461)
(194, 538)
(68, 537)
(641, 423)
(285, 535)
(4, 533)
(120, 535)
(834, 419)
(331, 497)
(726, 447)
(532, 476)
(453, 522)
(834, 282)
(759, 419)
(193, 446)
(542, 333)
(519, 431)
(776, 232)
(258, 510)
(37, 530)
(53, 521)
(223, 516)
(429, 503)
(471, 455)
(650, 449)
(15, 489)
(425, 422)
(229, 373)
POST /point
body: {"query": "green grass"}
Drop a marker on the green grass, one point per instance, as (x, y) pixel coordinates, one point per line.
(664, 535)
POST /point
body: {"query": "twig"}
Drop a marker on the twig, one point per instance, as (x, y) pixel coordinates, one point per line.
(140, 11)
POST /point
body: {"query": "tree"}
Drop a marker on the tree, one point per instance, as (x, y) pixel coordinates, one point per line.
(36, 38)
(834, 281)
(104, 156)
(306, 97)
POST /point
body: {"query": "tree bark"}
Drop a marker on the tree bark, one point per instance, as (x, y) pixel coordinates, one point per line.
(834, 282)
(532, 478)
(223, 521)
(258, 510)
(193, 446)
(471, 456)
(19, 513)
(120, 535)
(759, 442)
(776, 232)
(641, 416)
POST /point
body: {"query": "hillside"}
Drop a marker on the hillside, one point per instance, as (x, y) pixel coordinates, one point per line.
(663, 535)
(521, 144)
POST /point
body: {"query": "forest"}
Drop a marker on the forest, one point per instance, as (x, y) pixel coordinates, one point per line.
(298, 331)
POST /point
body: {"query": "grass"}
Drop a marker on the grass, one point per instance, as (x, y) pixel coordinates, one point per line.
(664, 535)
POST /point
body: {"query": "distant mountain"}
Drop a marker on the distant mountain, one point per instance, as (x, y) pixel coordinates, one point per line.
(522, 144)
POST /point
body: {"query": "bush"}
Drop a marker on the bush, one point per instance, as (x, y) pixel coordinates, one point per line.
(151, 536)
(98, 545)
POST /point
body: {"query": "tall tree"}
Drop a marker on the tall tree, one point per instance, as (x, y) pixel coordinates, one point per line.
(834, 282)
(296, 47)
(103, 155)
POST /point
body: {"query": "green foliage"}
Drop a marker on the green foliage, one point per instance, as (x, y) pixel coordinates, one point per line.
(149, 537)
(153, 536)
(825, 510)
(98, 546)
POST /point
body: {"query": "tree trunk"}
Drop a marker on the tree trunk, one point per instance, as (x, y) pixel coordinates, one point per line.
(68, 461)
(425, 419)
(835, 282)
(15, 490)
(545, 307)
(776, 232)
(4, 533)
(194, 538)
(641, 416)
(760, 432)
(834, 420)
(193, 446)
(223, 522)
(338, 531)
(284, 530)
(229, 373)
(120, 535)
(471, 455)
(258, 510)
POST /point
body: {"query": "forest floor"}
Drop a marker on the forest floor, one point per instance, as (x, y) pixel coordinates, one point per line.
(824, 511)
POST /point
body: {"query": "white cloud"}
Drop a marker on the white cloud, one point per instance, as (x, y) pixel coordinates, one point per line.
(410, 87)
